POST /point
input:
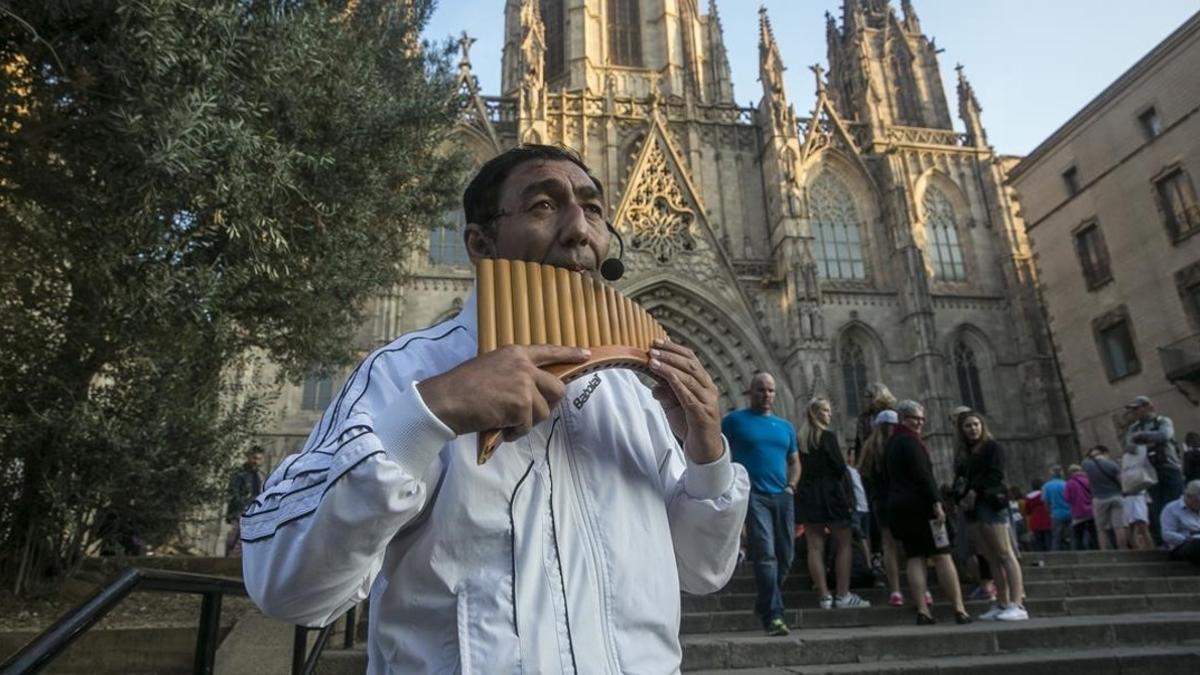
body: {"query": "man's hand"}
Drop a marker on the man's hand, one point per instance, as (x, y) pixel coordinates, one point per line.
(689, 398)
(503, 389)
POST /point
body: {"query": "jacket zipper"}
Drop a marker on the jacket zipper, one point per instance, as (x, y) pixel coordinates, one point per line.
(593, 551)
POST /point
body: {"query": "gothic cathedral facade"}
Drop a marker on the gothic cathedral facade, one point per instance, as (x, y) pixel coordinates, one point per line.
(865, 241)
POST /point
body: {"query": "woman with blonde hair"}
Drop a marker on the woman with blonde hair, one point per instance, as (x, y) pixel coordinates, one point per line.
(876, 399)
(822, 502)
(986, 506)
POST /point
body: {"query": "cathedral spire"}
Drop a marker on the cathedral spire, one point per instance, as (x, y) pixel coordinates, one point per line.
(770, 64)
(722, 76)
(911, 22)
(969, 110)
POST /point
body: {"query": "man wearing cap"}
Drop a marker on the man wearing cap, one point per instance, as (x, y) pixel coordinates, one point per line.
(1157, 433)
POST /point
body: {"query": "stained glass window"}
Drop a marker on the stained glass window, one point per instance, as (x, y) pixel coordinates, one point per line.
(969, 390)
(854, 376)
(837, 243)
(941, 237)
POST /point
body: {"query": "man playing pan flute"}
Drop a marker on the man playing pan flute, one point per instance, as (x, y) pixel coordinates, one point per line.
(567, 550)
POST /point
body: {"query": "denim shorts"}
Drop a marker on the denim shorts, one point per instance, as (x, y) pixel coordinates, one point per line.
(989, 515)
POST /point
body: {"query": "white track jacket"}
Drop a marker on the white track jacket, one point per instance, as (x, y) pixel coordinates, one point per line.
(564, 553)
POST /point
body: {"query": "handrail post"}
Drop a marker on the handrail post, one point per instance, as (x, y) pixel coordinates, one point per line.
(208, 634)
(351, 628)
(299, 649)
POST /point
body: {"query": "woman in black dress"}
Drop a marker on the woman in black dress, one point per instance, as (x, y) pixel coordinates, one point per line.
(915, 511)
(822, 501)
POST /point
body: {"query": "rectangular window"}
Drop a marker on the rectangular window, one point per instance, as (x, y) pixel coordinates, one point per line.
(446, 245)
(1116, 347)
(1093, 255)
(1191, 298)
(555, 24)
(318, 392)
(624, 33)
(1071, 181)
(1177, 200)
(1150, 123)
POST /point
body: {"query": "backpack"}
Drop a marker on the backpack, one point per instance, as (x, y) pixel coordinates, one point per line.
(1137, 473)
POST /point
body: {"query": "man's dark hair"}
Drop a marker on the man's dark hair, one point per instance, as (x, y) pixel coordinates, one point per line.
(481, 199)
(255, 449)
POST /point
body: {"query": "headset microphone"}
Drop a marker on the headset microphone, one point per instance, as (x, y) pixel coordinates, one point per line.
(613, 269)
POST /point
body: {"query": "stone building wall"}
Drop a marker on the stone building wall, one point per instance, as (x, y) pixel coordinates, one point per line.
(1153, 270)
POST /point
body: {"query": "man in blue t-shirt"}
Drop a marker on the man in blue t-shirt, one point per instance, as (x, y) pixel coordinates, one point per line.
(766, 446)
(1054, 494)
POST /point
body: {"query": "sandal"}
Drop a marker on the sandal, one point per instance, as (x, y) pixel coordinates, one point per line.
(925, 619)
(962, 618)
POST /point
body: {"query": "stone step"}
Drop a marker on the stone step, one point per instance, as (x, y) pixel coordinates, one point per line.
(795, 597)
(1049, 558)
(799, 579)
(1149, 644)
(906, 643)
(693, 623)
(1155, 660)
(1029, 559)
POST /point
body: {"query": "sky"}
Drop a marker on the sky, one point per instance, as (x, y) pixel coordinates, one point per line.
(1033, 63)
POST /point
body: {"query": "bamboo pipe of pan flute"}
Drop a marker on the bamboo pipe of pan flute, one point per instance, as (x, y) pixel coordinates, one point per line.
(520, 294)
(537, 310)
(504, 298)
(550, 295)
(486, 278)
(590, 288)
(566, 308)
(602, 314)
(579, 310)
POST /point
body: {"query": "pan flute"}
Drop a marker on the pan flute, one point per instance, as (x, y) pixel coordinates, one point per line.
(525, 303)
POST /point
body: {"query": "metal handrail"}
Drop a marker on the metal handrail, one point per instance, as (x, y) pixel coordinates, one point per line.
(50, 643)
(54, 640)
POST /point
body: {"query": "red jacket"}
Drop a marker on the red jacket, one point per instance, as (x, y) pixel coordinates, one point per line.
(1039, 515)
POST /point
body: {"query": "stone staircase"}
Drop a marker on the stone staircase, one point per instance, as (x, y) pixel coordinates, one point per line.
(1109, 612)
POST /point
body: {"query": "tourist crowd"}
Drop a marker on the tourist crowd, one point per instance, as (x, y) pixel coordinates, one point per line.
(883, 497)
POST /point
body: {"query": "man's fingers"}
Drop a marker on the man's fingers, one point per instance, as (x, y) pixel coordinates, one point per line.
(544, 355)
(549, 387)
(686, 388)
(684, 363)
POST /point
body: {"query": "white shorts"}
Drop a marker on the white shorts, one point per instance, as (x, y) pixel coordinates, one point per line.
(1136, 509)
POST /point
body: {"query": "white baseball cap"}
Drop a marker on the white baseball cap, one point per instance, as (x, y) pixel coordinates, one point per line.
(886, 417)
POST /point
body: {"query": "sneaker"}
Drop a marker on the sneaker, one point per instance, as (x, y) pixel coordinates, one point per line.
(850, 601)
(777, 627)
(1013, 613)
(896, 600)
(993, 612)
(826, 602)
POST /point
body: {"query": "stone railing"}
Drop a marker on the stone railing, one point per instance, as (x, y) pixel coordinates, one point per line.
(925, 136)
(675, 109)
(500, 109)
